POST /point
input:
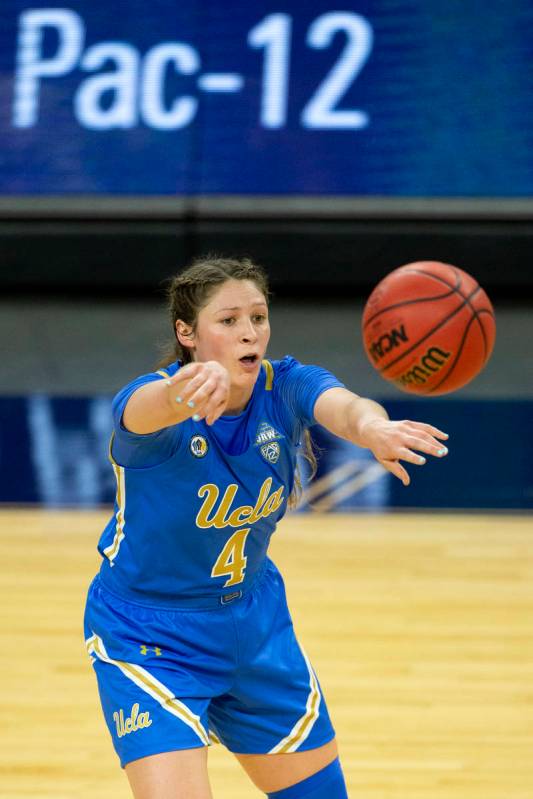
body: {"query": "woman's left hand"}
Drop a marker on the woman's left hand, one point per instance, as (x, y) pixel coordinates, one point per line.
(391, 442)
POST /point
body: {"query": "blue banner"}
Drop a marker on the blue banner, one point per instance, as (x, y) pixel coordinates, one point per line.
(421, 98)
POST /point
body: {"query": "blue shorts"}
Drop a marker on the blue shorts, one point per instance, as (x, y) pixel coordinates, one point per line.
(181, 678)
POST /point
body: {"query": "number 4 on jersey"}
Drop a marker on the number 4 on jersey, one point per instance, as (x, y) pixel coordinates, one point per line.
(232, 560)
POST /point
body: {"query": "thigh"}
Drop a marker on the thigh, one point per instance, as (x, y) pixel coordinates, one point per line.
(275, 705)
(155, 682)
(276, 772)
(142, 710)
(171, 775)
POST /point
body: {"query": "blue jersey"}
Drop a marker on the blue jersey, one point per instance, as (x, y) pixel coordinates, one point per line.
(196, 505)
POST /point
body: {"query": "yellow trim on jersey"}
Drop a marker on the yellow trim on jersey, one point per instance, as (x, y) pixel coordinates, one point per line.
(157, 690)
(112, 550)
(110, 449)
(305, 723)
(269, 369)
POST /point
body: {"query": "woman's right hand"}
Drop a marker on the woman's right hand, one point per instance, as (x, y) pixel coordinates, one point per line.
(201, 387)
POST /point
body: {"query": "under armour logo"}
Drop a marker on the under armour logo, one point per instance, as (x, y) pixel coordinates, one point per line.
(145, 649)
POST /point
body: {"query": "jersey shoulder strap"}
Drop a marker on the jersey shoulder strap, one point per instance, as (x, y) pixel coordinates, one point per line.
(269, 374)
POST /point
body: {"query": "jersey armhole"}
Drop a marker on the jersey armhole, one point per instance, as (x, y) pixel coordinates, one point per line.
(295, 434)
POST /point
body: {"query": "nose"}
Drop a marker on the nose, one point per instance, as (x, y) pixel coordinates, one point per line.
(248, 331)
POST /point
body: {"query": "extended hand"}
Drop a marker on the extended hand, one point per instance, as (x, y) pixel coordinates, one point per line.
(391, 442)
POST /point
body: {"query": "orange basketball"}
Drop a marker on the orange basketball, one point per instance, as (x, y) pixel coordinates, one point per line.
(429, 328)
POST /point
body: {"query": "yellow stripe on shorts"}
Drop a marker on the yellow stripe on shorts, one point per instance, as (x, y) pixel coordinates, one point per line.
(152, 686)
(305, 723)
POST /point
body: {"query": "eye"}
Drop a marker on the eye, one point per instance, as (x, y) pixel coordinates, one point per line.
(228, 320)
(259, 318)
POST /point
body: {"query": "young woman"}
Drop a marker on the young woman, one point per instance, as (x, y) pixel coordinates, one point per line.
(187, 623)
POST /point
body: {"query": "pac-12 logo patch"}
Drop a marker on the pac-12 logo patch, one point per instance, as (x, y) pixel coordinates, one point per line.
(270, 451)
(198, 446)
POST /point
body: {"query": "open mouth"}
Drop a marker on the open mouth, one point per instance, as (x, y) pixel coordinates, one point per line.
(248, 359)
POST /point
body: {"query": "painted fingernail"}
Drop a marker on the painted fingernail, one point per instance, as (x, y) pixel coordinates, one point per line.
(179, 399)
(196, 418)
(442, 451)
(168, 382)
(421, 459)
(190, 404)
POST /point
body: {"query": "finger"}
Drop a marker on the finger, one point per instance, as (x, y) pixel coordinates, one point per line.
(200, 399)
(178, 382)
(217, 402)
(428, 428)
(185, 373)
(216, 413)
(194, 384)
(396, 468)
(428, 445)
(411, 457)
(213, 406)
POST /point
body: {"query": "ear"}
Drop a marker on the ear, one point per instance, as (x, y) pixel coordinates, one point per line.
(184, 334)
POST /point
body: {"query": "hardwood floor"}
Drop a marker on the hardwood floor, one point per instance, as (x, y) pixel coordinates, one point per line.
(419, 627)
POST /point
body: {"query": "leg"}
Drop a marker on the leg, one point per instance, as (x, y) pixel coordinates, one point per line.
(290, 721)
(170, 775)
(272, 773)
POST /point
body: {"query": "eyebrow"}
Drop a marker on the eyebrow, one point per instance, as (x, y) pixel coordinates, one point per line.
(238, 307)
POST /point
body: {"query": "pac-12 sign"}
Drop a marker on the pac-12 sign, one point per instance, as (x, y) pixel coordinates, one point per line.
(137, 83)
(199, 97)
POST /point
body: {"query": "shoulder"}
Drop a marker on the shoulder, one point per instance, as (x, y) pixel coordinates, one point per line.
(278, 370)
(289, 371)
(122, 396)
(141, 450)
(297, 386)
(168, 371)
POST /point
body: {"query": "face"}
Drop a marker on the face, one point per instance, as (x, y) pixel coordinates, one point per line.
(233, 329)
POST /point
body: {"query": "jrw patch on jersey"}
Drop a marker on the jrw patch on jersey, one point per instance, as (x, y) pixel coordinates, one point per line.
(267, 438)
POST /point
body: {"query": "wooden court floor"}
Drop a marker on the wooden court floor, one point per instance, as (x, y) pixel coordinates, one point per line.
(420, 628)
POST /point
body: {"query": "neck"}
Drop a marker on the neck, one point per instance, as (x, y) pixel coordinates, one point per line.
(238, 400)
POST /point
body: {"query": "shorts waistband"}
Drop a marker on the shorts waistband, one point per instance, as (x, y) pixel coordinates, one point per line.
(185, 602)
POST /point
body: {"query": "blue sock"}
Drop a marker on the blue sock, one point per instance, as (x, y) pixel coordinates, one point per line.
(328, 783)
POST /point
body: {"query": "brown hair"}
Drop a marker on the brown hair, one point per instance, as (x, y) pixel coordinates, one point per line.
(189, 291)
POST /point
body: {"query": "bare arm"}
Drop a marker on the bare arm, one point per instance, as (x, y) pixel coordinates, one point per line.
(366, 423)
(198, 388)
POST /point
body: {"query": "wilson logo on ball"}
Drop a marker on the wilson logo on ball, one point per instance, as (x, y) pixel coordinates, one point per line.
(388, 341)
(431, 362)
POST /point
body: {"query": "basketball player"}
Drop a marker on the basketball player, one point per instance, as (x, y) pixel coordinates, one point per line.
(187, 623)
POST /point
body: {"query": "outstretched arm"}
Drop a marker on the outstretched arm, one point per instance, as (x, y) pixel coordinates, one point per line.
(366, 423)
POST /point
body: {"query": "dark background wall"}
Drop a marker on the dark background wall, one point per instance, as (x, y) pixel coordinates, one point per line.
(306, 255)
